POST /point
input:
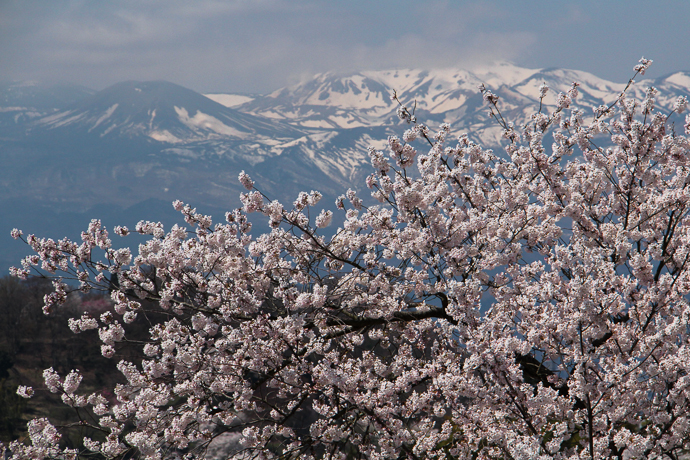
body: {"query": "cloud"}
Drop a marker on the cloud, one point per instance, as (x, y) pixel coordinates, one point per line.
(259, 45)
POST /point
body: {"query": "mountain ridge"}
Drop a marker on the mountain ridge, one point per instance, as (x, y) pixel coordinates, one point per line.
(323, 126)
(70, 149)
(119, 146)
(359, 99)
(161, 110)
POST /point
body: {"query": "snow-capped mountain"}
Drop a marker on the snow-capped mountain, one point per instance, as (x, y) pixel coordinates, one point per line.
(164, 112)
(364, 98)
(70, 148)
(361, 99)
(316, 133)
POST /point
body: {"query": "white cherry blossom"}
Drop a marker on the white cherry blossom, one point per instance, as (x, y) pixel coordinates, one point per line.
(525, 303)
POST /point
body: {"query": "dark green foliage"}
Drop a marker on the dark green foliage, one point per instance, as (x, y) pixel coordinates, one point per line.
(31, 342)
(12, 409)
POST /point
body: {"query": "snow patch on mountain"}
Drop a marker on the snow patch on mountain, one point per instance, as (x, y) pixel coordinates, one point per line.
(204, 122)
(679, 79)
(229, 100)
(105, 116)
(502, 73)
(164, 136)
(63, 119)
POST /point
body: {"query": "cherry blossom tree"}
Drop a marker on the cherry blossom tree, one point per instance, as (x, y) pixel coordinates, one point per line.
(524, 304)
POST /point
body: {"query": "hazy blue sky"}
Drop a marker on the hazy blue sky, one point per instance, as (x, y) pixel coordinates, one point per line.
(260, 45)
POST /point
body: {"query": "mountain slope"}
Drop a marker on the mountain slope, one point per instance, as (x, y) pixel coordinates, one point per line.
(161, 111)
(21, 102)
(68, 149)
(364, 98)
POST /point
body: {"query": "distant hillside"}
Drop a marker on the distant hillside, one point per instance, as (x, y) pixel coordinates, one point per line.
(68, 149)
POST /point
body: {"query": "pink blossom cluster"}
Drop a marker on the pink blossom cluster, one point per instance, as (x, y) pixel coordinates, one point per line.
(524, 304)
